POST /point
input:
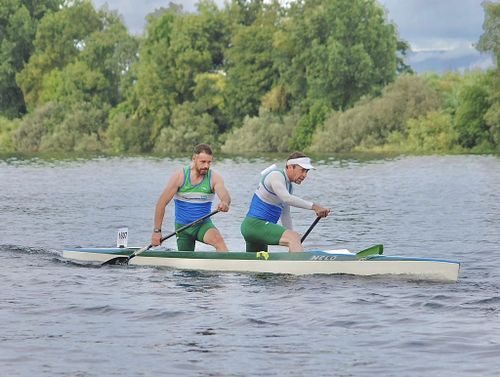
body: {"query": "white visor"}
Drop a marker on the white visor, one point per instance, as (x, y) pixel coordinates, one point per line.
(304, 162)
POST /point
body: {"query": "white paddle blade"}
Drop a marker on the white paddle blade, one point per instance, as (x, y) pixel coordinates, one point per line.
(122, 237)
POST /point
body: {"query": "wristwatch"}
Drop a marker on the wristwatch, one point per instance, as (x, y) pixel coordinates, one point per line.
(157, 230)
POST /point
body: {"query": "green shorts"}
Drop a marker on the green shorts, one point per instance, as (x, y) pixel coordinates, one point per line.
(188, 237)
(259, 234)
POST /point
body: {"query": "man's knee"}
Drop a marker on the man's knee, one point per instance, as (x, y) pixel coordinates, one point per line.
(217, 239)
(213, 237)
(289, 237)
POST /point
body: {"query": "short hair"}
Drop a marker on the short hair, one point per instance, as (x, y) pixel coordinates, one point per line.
(203, 148)
(296, 154)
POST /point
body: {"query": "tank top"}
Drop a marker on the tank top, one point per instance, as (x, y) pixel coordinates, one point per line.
(193, 201)
(265, 204)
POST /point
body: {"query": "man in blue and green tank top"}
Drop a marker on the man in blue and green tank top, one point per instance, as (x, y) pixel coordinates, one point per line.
(193, 189)
(272, 200)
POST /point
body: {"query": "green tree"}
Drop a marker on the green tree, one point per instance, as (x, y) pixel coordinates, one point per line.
(209, 97)
(80, 69)
(111, 51)
(266, 133)
(60, 127)
(18, 24)
(75, 83)
(177, 48)
(402, 67)
(303, 133)
(249, 63)
(245, 12)
(276, 100)
(128, 133)
(98, 75)
(490, 40)
(470, 122)
(7, 129)
(81, 130)
(370, 123)
(36, 125)
(336, 51)
(188, 128)
(492, 116)
(430, 133)
(59, 39)
(74, 45)
(447, 86)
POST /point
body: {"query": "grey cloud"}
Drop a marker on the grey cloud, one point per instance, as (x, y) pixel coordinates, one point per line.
(441, 33)
(422, 19)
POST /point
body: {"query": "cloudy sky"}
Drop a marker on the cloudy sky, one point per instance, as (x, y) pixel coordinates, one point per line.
(441, 33)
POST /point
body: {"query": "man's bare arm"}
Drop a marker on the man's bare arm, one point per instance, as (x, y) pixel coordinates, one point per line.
(221, 191)
(166, 197)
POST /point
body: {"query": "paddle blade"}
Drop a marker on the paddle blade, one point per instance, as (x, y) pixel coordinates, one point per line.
(116, 261)
(373, 250)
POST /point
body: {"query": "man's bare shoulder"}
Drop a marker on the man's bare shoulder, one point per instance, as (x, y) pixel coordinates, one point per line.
(215, 174)
(216, 178)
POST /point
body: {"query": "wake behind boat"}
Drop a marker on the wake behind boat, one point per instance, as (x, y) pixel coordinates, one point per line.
(367, 262)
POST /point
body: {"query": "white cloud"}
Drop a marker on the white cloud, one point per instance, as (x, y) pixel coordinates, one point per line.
(453, 47)
(449, 55)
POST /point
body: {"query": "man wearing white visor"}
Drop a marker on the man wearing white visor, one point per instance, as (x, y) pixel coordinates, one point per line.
(272, 200)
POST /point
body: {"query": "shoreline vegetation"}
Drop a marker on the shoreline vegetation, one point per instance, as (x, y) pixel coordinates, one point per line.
(326, 77)
(44, 158)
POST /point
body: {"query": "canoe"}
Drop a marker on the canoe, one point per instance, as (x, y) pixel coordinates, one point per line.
(368, 262)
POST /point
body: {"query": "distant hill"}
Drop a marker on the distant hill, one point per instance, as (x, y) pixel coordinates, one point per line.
(441, 61)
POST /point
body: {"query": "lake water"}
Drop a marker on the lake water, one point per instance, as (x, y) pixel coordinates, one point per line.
(63, 319)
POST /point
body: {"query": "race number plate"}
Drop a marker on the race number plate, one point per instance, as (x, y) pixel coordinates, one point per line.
(122, 237)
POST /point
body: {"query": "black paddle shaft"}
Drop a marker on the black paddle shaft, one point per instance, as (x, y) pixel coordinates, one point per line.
(122, 259)
(309, 230)
(201, 219)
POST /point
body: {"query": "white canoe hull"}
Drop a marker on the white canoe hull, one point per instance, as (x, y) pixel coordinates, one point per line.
(281, 263)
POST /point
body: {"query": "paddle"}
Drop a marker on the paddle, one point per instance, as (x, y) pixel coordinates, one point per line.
(309, 230)
(125, 260)
(372, 250)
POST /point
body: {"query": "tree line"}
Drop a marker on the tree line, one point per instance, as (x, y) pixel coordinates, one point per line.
(323, 76)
